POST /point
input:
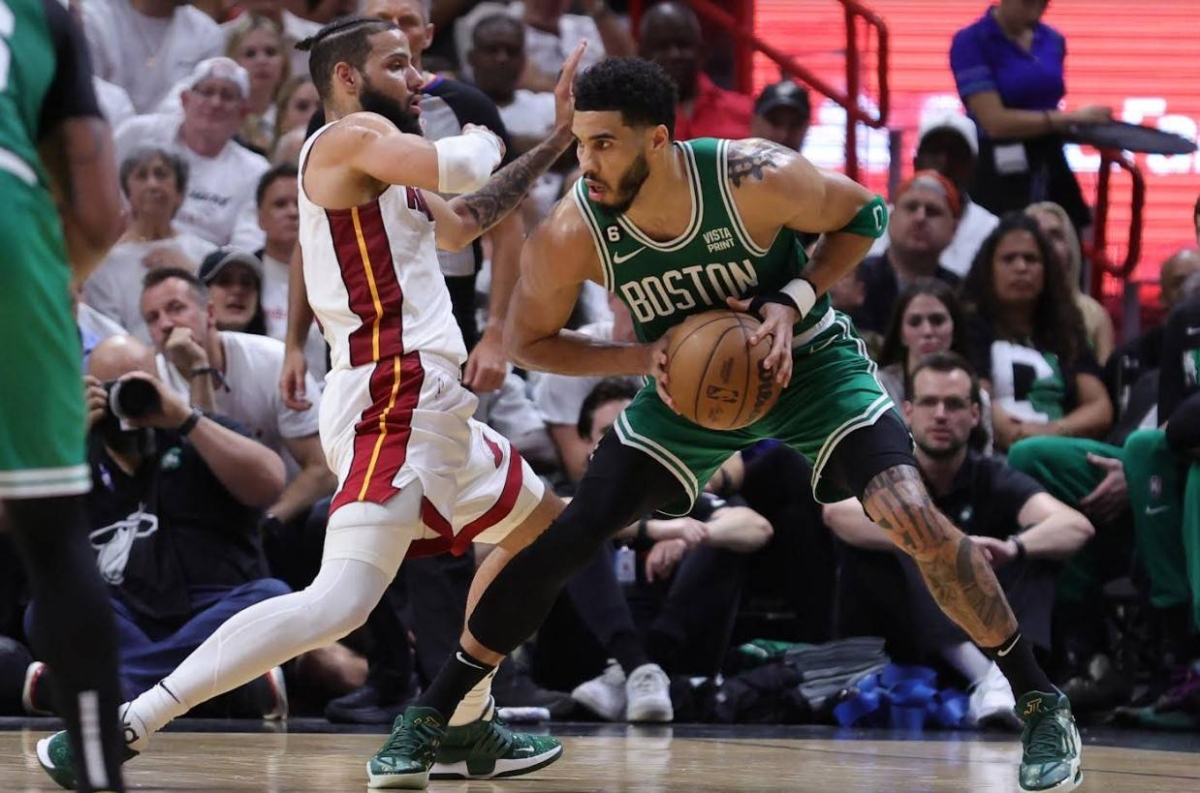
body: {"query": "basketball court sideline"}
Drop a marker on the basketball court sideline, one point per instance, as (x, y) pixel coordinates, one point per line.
(193, 756)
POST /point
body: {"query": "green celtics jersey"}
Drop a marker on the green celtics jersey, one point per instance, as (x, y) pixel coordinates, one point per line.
(28, 64)
(663, 283)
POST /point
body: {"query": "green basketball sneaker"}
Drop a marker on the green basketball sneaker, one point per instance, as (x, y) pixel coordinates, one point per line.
(487, 748)
(57, 759)
(1050, 760)
(408, 754)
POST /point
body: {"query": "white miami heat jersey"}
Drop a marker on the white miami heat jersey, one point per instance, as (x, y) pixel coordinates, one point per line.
(373, 277)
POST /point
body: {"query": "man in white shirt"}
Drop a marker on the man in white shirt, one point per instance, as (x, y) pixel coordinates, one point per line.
(219, 205)
(236, 375)
(949, 144)
(146, 46)
(279, 218)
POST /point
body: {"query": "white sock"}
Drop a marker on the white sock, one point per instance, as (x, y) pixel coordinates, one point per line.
(261, 637)
(474, 704)
(969, 660)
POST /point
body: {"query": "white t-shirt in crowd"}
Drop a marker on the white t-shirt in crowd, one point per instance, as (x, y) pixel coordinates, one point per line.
(147, 55)
(253, 365)
(114, 101)
(973, 228)
(219, 206)
(115, 288)
(559, 397)
(275, 307)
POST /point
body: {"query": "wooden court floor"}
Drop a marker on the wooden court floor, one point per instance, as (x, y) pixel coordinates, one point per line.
(625, 759)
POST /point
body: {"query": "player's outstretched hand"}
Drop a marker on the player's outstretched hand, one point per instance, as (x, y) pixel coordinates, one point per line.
(564, 91)
(777, 322)
(291, 380)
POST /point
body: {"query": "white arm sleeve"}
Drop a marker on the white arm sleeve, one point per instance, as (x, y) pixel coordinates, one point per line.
(466, 161)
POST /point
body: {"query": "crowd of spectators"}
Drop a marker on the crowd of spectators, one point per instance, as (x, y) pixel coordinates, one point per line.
(1069, 454)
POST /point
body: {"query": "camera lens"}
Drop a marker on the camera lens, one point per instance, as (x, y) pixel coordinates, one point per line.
(133, 399)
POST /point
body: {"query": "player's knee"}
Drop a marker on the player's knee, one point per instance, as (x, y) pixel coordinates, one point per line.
(1144, 444)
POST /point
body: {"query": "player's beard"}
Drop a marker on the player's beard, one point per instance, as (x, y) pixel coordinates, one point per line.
(630, 183)
(393, 110)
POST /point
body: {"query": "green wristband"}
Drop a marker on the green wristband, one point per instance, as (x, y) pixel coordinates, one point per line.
(870, 221)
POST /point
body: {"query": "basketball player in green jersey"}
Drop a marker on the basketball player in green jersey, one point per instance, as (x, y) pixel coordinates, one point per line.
(48, 108)
(679, 228)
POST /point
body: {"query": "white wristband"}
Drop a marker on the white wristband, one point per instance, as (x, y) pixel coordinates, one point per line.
(803, 293)
(466, 161)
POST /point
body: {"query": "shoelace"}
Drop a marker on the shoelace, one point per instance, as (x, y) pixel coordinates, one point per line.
(1045, 740)
(417, 740)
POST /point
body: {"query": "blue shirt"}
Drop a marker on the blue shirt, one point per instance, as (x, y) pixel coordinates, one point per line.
(983, 58)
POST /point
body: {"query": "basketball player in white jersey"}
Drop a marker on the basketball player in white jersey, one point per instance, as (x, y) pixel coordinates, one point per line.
(416, 473)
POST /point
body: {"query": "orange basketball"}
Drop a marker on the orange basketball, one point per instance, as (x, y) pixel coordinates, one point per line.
(715, 377)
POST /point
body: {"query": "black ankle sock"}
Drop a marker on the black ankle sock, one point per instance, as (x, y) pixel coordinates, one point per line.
(1016, 661)
(628, 650)
(458, 675)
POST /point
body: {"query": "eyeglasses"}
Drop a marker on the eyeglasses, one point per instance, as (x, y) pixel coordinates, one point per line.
(951, 404)
(936, 319)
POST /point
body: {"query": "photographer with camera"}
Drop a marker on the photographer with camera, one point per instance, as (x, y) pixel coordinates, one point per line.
(175, 501)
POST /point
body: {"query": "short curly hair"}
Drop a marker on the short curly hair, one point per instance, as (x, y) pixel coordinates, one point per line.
(640, 89)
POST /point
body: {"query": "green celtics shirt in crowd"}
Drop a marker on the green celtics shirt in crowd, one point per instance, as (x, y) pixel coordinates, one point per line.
(833, 390)
(663, 283)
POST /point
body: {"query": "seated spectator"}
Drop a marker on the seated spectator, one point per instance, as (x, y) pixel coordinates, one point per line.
(94, 327)
(1025, 334)
(287, 148)
(237, 375)
(234, 282)
(670, 36)
(687, 586)
(551, 33)
(295, 29)
(928, 319)
(1021, 529)
(173, 512)
(922, 225)
(497, 58)
(295, 105)
(279, 218)
(559, 397)
(219, 203)
(1097, 324)
(949, 144)
(155, 181)
(782, 114)
(171, 39)
(258, 45)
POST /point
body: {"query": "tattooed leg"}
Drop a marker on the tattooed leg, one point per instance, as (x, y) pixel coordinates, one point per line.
(958, 576)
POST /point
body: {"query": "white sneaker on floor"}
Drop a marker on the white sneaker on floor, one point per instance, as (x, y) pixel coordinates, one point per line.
(992, 702)
(604, 695)
(648, 695)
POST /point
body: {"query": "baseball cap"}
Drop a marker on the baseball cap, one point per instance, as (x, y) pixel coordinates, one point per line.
(221, 258)
(955, 121)
(219, 68)
(784, 93)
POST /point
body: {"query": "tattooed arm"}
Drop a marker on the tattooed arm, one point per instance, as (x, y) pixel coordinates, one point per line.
(774, 186)
(956, 572)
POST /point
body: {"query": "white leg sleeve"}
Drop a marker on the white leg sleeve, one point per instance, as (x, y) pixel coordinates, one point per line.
(269, 633)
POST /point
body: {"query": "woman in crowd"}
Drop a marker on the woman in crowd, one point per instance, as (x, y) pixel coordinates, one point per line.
(235, 291)
(296, 103)
(927, 319)
(1008, 66)
(1056, 225)
(1026, 339)
(257, 44)
(155, 183)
